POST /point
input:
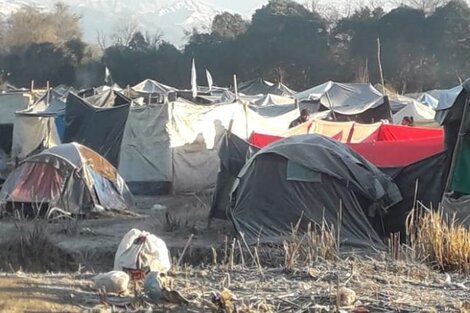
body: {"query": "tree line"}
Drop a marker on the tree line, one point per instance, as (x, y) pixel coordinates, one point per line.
(421, 48)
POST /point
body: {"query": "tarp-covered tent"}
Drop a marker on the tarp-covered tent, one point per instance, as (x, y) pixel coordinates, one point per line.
(9, 104)
(347, 102)
(255, 87)
(422, 114)
(309, 179)
(100, 129)
(107, 99)
(150, 86)
(195, 132)
(145, 161)
(382, 144)
(40, 126)
(70, 177)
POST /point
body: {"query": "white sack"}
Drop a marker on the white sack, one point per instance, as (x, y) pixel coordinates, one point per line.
(148, 253)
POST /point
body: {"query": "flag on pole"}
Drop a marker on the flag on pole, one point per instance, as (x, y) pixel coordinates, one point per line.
(193, 80)
(107, 76)
(209, 79)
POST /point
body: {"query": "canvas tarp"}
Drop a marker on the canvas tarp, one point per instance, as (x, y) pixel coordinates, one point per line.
(145, 160)
(100, 129)
(270, 196)
(346, 99)
(422, 114)
(33, 133)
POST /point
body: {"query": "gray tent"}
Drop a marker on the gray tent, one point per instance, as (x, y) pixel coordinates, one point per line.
(70, 177)
(309, 178)
(347, 102)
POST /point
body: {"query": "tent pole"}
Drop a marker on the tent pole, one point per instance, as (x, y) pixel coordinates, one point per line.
(456, 148)
(48, 95)
(235, 86)
(331, 106)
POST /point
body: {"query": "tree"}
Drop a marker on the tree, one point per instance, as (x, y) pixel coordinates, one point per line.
(228, 26)
(449, 41)
(29, 25)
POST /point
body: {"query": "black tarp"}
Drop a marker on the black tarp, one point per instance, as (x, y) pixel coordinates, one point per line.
(233, 153)
(100, 129)
(309, 178)
(424, 181)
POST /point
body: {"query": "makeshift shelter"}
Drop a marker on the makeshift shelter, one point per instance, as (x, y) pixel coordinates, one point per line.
(386, 146)
(70, 177)
(311, 179)
(40, 126)
(100, 129)
(195, 133)
(255, 87)
(9, 104)
(347, 102)
(150, 86)
(145, 159)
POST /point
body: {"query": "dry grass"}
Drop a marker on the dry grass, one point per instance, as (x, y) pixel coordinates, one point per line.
(439, 240)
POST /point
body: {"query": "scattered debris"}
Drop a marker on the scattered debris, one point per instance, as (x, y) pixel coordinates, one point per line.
(346, 296)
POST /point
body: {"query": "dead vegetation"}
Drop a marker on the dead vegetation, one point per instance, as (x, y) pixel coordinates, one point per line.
(439, 240)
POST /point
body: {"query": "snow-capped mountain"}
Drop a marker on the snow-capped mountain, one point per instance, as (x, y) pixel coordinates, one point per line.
(172, 18)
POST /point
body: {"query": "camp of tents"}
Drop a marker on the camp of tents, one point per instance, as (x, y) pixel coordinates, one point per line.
(87, 151)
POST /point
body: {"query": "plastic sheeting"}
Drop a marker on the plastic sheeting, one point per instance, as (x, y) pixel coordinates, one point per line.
(100, 129)
(266, 204)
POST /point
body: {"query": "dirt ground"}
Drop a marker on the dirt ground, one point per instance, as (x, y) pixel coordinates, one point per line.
(34, 252)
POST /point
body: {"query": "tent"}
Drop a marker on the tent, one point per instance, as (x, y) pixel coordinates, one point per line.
(145, 160)
(70, 177)
(40, 126)
(423, 180)
(150, 86)
(100, 129)
(255, 87)
(309, 179)
(346, 102)
(174, 146)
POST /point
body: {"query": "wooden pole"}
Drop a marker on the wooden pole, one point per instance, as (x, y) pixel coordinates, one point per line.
(380, 67)
(48, 94)
(331, 106)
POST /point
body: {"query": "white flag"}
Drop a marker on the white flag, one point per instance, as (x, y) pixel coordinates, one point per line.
(107, 76)
(209, 79)
(193, 80)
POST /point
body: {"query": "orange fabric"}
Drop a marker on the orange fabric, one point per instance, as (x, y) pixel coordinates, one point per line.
(364, 132)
